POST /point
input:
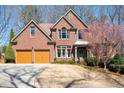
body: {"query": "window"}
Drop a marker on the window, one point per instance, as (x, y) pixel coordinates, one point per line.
(63, 51)
(69, 52)
(80, 35)
(64, 34)
(32, 31)
(59, 52)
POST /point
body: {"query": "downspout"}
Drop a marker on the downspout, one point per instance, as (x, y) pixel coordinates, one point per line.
(33, 56)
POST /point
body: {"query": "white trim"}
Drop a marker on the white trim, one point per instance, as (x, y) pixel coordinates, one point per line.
(66, 52)
(61, 35)
(21, 31)
(63, 17)
(81, 42)
(41, 29)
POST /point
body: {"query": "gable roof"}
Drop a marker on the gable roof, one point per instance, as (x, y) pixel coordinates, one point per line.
(77, 16)
(41, 29)
(46, 27)
(65, 20)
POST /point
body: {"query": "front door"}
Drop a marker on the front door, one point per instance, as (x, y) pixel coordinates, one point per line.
(82, 52)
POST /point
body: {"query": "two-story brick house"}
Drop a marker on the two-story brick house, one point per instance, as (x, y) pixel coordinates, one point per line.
(43, 42)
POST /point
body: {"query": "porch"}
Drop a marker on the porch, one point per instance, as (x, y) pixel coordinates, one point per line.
(80, 50)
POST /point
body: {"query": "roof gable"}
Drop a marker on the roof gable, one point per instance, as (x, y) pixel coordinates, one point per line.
(40, 28)
(46, 27)
(63, 18)
(75, 14)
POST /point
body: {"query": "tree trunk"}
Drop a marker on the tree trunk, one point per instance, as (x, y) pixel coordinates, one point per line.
(105, 67)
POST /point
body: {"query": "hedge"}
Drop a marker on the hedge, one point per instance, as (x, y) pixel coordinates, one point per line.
(65, 62)
(116, 68)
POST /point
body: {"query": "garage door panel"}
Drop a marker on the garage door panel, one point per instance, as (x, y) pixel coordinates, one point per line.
(23, 57)
(42, 57)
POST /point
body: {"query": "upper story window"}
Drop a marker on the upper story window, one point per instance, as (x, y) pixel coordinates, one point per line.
(80, 35)
(64, 34)
(32, 31)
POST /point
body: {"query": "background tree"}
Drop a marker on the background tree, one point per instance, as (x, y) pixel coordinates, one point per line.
(112, 11)
(102, 14)
(30, 12)
(5, 17)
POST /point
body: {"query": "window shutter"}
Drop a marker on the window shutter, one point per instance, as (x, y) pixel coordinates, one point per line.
(59, 34)
(68, 34)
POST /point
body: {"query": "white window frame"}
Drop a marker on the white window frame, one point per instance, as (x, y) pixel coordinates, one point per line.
(34, 32)
(60, 31)
(66, 52)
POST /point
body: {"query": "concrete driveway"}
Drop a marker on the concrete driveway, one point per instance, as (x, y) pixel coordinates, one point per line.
(56, 76)
(19, 76)
(67, 76)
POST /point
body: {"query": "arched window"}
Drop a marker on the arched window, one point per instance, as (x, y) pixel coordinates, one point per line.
(64, 34)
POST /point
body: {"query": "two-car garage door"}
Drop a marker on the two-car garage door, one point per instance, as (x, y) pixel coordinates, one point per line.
(29, 57)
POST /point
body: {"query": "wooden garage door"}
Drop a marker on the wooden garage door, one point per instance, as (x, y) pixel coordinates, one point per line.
(42, 57)
(23, 57)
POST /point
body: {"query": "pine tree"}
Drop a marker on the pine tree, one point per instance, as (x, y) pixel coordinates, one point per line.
(11, 34)
(9, 54)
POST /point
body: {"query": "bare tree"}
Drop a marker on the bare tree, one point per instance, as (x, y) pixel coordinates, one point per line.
(102, 14)
(86, 13)
(119, 13)
(30, 12)
(5, 15)
(112, 11)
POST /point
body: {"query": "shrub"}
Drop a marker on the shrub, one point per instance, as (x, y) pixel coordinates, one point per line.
(9, 54)
(117, 59)
(116, 68)
(65, 62)
(91, 61)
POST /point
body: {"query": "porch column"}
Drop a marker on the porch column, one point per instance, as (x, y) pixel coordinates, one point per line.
(76, 59)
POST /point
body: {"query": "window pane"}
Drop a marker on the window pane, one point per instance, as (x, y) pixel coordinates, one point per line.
(64, 33)
(63, 53)
(69, 52)
(32, 31)
(80, 35)
(59, 52)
